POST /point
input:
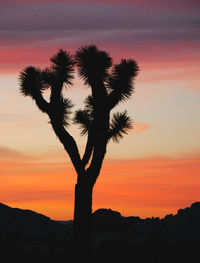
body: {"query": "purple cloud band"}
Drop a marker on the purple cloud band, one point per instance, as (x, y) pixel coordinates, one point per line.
(144, 27)
(65, 16)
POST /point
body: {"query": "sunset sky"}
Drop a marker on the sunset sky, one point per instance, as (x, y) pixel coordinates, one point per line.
(155, 170)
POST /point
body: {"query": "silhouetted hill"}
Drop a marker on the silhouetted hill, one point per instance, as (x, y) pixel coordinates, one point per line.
(26, 223)
(175, 238)
(25, 234)
(182, 227)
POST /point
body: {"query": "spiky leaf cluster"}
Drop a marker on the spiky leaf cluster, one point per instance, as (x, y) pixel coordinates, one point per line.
(119, 125)
(94, 67)
(48, 77)
(84, 119)
(120, 82)
(63, 66)
(89, 105)
(93, 64)
(30, 82)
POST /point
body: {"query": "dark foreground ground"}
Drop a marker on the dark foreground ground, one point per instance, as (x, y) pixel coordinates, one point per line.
(26, 236)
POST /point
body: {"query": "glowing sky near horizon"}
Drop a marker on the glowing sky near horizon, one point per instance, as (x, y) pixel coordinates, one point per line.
(156, 168)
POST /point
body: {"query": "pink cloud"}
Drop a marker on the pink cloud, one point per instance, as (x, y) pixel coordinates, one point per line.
(139, 127)
(150, 57)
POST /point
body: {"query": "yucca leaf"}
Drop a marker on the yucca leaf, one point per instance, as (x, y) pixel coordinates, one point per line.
(63, 66)
(119, 125)
(84, 120)
(120, 83)
(30, 81)
(89, 105)
(92, 63)
(48, 77)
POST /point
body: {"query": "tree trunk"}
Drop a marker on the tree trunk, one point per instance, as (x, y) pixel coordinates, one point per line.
(82, 220)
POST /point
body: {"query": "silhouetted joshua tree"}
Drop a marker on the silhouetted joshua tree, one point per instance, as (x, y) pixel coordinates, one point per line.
(109, 85)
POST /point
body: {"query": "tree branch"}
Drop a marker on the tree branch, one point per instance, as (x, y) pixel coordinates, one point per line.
(113, 99)
(97, 160)
(56, 92)
(88, 149)
(42, 104)
(70, 146)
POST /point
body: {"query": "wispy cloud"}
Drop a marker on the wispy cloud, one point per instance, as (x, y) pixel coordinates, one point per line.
(151, 186)
(7, 152)
(139, 127)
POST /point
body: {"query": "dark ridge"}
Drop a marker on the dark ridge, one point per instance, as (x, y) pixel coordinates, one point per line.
(25, 234)
(26, 223)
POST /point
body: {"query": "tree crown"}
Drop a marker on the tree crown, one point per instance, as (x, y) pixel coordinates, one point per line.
(110, 85)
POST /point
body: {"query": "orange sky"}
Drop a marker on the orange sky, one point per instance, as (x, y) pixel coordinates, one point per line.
(144, 187)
